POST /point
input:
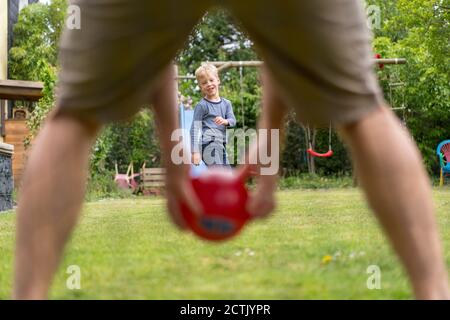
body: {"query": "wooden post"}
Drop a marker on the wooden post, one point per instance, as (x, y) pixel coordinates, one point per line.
(175, 71)
(2, 117)
(306, 148)
(313, 145)
(222, 65)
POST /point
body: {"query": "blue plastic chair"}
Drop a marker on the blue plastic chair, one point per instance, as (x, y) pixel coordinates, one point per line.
(443, 152)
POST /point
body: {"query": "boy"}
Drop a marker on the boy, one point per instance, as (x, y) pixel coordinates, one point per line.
(318, 60)
(212, 116)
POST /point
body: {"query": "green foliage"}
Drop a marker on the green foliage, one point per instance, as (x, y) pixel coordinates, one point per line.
(293, 157)
(217, 37)
(102, 185)
(34, 57)
(339, 163)
(42, 108)
(132, 141)
(310, 181)
(124, 142)
(419, 31)
(34, 53)
(36, 35)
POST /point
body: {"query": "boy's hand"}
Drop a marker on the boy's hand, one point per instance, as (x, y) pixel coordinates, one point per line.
(221, 121)
(196, 158)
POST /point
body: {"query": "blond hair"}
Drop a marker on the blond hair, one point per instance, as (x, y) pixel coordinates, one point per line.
(206, 68)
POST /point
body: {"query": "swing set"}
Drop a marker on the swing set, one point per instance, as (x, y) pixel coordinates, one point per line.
(381, 62)
(392, 85)
(138, 181)
(310, 150)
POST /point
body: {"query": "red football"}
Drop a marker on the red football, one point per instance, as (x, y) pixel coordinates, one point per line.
(223, 196)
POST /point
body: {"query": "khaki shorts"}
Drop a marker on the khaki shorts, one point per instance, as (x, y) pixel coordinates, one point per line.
(318, 52)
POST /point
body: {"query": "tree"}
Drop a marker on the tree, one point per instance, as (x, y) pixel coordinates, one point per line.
(36, 35)
(125, 142)
(34, 57)
(419, 31)
(34, 53)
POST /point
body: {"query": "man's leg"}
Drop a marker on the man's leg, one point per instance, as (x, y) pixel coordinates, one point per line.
(50, 202)
(389, 169)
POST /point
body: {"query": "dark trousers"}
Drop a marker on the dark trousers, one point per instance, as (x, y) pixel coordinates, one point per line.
(215, 154)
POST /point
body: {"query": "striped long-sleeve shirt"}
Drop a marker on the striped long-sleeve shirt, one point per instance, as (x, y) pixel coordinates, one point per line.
(204, 129)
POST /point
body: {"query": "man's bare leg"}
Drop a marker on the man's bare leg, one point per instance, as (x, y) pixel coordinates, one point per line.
(390, 171)
(50, 202)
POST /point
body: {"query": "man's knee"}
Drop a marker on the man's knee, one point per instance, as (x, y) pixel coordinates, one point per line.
(70, 122)
(368, 122)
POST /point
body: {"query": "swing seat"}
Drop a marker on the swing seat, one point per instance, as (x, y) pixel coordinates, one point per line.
(443, 152)
(327, 154)
(313, 153)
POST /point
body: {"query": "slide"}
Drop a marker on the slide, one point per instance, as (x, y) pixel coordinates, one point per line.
(186, 117)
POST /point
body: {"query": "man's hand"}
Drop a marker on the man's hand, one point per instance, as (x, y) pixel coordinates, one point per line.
(178, 186)
(196, 158)
(221, 121)
(179, 190)
(262, 201)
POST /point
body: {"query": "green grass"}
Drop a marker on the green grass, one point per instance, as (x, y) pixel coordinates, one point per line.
(313, 181)
(127, 249)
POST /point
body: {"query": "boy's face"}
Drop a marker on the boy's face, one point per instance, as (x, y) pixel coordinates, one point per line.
(209, 84)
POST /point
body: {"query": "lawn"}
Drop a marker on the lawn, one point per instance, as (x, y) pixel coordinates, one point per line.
(127, 249)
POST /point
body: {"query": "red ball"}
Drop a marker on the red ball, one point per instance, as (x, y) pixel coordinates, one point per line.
(223, 196)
